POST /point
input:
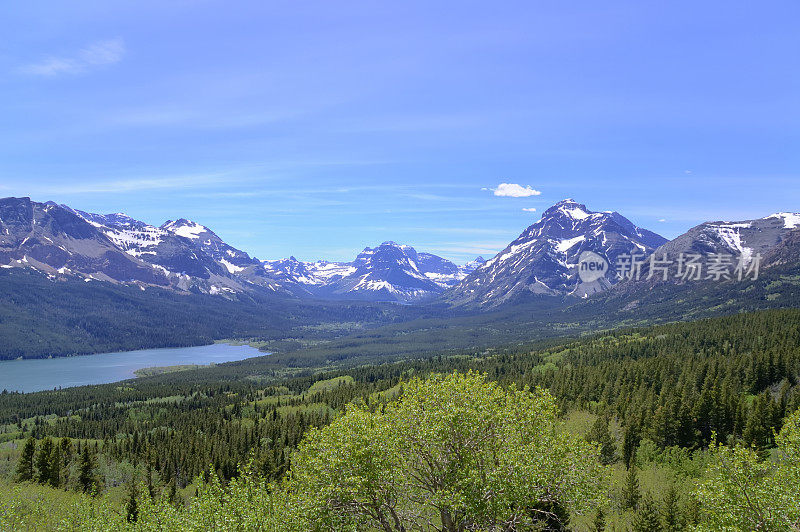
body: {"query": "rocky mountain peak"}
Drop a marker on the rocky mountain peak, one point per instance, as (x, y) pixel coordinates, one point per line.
(544, 258)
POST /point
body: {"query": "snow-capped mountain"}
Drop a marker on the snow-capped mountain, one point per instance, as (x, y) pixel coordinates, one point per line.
(234, 260)
(175, 248)
(389, 272)
(60, 241)
(473, 265)
(747, 237)
(544, 258)
(736, 243)
(56, 241)
(186, 255)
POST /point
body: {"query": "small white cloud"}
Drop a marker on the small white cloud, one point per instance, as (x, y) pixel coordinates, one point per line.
(529, 209)
(99, 53)
(662, 220)
(513, 190)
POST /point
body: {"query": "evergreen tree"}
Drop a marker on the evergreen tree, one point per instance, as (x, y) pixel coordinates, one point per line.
(630, 491)
(44, 462)
(601, 435)
(132, 505)
(551, 516)
(670, 511)
(55, 466)
(647, 518)
(25, 469)
(599, 524)
(629, 444)
(173, 496)
(86, 475)
(67, 454)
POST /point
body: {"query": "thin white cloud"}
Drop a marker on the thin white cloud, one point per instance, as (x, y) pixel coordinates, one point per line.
(662, 220)
(514, 190)
(122, 186)
(99, 53)
(529, 209)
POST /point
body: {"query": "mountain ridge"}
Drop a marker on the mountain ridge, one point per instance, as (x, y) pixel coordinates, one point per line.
(542, 261)
(184, 255)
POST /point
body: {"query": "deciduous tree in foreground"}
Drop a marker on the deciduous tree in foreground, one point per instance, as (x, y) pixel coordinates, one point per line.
(742, 492)
(453, 453)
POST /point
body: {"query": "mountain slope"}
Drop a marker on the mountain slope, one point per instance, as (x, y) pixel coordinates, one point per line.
(748, 237)
(55, 241)
(187, 261)
(714, 252)
(543, 259)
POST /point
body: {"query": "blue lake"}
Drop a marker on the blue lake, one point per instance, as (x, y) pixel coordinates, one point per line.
(48, 373)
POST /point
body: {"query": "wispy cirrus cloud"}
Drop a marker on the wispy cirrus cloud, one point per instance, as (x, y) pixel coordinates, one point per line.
(514, 190)
(98, 53)
(134, 185)
(529, 209)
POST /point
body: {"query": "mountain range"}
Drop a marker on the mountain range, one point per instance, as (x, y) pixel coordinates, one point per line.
(543, 261)
(58, 241)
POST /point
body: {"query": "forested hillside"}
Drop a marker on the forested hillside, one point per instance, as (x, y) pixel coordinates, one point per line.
(41, 317)
(654, 398)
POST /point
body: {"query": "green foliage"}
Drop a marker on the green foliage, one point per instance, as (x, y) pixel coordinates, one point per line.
(601, 435)
(453, 449)
(35, 507)
(743, 492)
(25, 470)
(671, 513)
(132, 504)
(87, 478)
(631, 494)
(599, 524)
(46, 466)
(669, 387)
(647, 517)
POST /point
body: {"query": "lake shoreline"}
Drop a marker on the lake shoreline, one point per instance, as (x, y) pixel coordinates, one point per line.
(41, 374)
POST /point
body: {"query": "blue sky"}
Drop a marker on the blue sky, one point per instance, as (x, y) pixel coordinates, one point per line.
(318, 128)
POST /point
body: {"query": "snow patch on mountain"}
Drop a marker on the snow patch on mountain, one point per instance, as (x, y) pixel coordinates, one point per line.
(790, 219)
(232, 268)
(186, 228)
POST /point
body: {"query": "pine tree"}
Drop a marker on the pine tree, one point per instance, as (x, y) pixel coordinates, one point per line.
(551, 516)
(602, 436)
(132, 505)
(44, 461)
(630, 491)
(86, 476)
(629, 445)
(647, 518)
(599, 524)
(67, 454)
(670, 511)
(25, 467)
(55, 466)
(173, 496)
